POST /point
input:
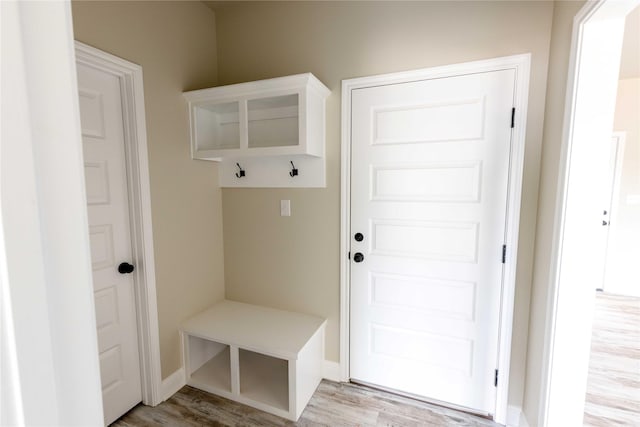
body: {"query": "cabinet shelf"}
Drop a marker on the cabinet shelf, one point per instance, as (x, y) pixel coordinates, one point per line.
(273, 122)
(219, 126)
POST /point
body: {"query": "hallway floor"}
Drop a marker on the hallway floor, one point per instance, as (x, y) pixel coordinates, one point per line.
(613, 389)
(333, 404)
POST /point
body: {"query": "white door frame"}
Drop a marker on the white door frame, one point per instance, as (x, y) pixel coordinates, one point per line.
(617, 179)
(48, 336)
(137, 167)
(596, 40)
(521, 64)
(621, 138)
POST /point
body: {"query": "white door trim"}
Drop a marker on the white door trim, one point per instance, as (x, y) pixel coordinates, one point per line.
(617, 179)
(47, 318)
(560, 380)
(615, 195)
(521, 64)
(137, 166)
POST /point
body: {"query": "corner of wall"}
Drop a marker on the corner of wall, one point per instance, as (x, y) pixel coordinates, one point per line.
(172, 384)
(331, 371)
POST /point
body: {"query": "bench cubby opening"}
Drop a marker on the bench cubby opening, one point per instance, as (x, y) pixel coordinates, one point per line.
(264, 379)
(209, 363)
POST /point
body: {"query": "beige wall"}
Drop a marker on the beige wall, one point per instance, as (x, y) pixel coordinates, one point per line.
(623, 270)
(563, 14)
(175, 43)
(293, 263)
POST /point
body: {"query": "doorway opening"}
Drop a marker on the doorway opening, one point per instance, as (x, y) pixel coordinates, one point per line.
(578, 244)
(615, 340)
(129, 76)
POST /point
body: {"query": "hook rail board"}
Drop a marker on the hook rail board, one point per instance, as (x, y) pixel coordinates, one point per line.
(273, 172)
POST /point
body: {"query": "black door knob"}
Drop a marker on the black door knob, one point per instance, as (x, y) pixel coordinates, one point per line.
(358, 257)
(125, 268)
(359, 237)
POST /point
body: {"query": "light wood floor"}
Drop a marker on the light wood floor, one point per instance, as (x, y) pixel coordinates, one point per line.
(613, 389)
(333, 404)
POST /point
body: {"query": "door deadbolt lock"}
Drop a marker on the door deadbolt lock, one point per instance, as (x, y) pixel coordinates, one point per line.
(125, 268)
(359, 237)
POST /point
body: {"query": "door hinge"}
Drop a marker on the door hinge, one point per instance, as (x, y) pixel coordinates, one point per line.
(495, 379)
(513, 117)
(349, 255)
(504, 254)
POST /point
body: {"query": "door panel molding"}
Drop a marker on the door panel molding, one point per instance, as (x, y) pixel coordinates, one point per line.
(137, 166)
(521, 64)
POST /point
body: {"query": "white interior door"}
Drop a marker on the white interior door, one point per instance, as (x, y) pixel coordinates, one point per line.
(108, 208)
(430, 167)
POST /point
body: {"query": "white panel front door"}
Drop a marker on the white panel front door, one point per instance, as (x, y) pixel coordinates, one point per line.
(109, 236)
(430, 166)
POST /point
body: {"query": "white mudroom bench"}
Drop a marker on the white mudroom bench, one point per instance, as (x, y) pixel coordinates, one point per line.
(262, 357)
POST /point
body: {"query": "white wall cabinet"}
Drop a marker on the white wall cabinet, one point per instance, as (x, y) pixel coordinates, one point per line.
(262, 357)
(263, 126)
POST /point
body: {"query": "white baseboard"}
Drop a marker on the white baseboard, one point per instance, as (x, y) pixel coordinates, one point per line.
(515, 417)
(172, 384)
(331, 371)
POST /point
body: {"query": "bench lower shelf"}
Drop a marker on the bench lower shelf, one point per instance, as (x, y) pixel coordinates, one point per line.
(216, 372)
(264, 379)
(244, 367)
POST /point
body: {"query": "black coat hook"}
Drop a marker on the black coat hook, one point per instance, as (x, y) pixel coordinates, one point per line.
(294, 171)
(240, 172)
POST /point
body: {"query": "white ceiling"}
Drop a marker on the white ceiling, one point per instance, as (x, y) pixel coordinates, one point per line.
(630, 63)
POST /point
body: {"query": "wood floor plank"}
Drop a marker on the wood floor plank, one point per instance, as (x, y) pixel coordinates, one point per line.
(333, 404)
(613, 389)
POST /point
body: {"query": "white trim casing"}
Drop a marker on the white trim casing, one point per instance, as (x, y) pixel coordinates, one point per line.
(585, 12)
(567, 323)
(48, 339)
(521, 64)
(137, 165)
(617, 179)
(613, 211)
